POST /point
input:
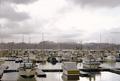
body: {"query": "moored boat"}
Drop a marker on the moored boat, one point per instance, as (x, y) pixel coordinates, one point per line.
(27, 70)
(90, 62)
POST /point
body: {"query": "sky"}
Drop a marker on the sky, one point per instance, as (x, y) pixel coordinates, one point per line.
(60, 20)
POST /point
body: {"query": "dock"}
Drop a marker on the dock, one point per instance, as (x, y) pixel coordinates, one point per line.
(40, 73)
(115, 71)
(2, 68)
(83, 72)
(52, 70)
(13, 76)
(1, 73)
(10, 70)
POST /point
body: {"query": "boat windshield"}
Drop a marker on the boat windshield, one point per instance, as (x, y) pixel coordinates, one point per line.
(27, 65)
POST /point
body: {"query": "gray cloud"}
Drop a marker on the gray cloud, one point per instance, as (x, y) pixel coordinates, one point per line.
(7, 12)
(18, 28)
(106, 36)
(13, 31)
(100, 3)
(113, 35)
(71, 35)
(3, 33)
(18, 1)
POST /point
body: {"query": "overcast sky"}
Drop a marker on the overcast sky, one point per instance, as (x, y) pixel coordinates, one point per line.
(60, 20)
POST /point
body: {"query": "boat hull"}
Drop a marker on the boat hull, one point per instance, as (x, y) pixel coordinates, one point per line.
(91, 66)
(27, 73)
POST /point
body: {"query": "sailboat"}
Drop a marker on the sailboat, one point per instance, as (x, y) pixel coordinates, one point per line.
(27, 68)
(41, 55)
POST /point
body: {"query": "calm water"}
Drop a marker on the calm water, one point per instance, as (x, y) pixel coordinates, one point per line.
(56, 76)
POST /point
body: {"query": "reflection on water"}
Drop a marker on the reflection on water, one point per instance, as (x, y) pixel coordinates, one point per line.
(26, 79)
(13, 65)
(79, 65)
(49, 66)
(57, 76)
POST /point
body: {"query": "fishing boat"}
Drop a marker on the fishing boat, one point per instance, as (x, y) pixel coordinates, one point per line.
(27, 69)
(111, 58)
(90, 62)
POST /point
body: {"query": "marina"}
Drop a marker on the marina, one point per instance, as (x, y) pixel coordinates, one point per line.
(59, 40)
(54, 72)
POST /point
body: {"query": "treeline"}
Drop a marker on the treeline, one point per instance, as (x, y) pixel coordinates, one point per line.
(54, 45)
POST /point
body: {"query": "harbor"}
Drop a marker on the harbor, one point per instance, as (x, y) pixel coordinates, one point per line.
(58, 64)
(48, 71)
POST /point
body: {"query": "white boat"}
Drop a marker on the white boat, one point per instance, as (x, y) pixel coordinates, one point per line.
(66, 57)
(111, 58)
(18, 60)
(90, 62)
(27, 70)
(41, 58)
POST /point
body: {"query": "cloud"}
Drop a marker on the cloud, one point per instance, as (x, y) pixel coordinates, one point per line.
(113, 35)
(98, 3)
(7, 12)
(2, 33)
(15, 28)
(65, 21)
(5, 35)
(12, 21)
(10, 31)
(106, 36)
(18, 1)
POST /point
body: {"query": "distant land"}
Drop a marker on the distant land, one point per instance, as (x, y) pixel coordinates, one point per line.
(54, 45)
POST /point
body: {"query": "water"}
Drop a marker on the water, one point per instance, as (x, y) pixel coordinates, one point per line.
(56, 76)
(28, 79)
(13, 65)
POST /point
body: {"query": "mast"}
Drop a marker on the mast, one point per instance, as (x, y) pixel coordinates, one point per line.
(29, 48)
(100, 41)
(43, 45)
